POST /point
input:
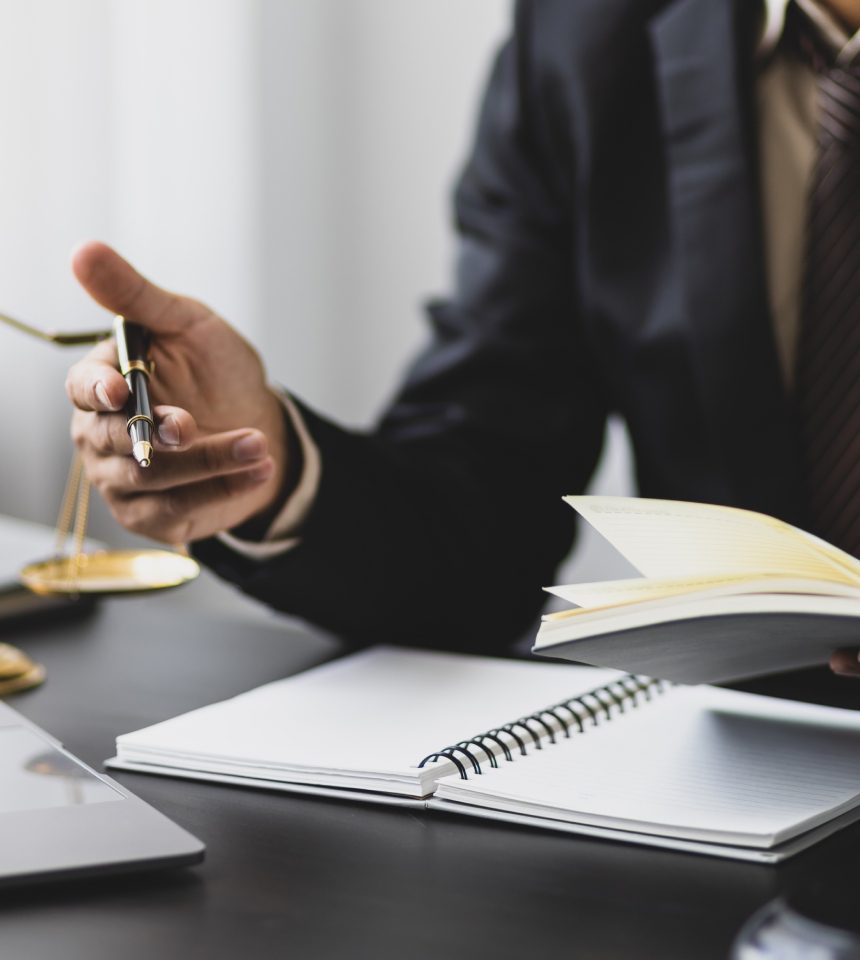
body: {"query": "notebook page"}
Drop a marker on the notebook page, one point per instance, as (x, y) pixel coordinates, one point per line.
(666, 539)
(373, 714)
(698, 763)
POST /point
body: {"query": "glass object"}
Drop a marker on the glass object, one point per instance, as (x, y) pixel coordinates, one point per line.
(824, 930)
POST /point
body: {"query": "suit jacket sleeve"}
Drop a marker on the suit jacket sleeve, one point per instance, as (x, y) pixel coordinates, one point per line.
(441, 526)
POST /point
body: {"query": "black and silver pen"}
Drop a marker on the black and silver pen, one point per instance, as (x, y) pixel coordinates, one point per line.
(132, 347)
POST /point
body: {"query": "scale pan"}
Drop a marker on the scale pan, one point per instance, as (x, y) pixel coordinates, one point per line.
(110, 572)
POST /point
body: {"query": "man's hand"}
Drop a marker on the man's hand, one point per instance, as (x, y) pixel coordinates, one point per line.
(846, 662)
(221, 445)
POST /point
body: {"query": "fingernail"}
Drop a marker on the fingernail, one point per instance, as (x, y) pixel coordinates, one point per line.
(263, 472)
(102, 394)
(168, 431)
(251, 447)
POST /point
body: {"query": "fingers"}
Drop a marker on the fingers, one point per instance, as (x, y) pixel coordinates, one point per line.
(115, 284)
(196, 486)
(194, 511)
(846, 662)
(106, 435)
(94, 383)
(218, 456)
(175, 428)
(117, 476)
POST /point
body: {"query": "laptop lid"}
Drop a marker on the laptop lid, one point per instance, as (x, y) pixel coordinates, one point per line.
(61, 819)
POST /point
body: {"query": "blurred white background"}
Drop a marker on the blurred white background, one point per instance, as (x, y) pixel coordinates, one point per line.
(288, 161)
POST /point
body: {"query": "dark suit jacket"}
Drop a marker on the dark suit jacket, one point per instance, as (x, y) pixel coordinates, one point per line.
(610, 260)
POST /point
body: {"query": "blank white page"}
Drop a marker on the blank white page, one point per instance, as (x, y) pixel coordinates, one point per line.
(374, 714)
(698, 763)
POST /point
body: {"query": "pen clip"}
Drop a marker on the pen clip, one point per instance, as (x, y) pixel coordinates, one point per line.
(132, 347)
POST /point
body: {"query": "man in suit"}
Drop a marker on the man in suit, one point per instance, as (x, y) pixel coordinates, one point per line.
(635, 237)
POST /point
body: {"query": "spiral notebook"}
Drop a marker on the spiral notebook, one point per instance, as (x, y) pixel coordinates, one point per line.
(574, 749)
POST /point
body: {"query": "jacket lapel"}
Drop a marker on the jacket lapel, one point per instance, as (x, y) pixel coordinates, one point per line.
(705, 80)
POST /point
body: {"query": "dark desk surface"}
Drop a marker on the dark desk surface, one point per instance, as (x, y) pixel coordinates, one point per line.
(310, 878)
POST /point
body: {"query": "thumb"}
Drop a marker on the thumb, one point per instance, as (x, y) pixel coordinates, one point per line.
(114, 283)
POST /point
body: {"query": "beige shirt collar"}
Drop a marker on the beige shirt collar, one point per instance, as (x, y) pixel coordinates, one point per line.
(832, 31)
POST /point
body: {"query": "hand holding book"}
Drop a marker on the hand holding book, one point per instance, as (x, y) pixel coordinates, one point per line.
(846, 662)
(725, 594)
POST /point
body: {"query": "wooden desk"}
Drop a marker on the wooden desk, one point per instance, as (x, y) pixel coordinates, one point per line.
(310, 878)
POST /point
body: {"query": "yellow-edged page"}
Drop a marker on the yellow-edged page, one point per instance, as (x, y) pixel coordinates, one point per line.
(610, 593)
(722, 598)
(672, 540)
(606, 593)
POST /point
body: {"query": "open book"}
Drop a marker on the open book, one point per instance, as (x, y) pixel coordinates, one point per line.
(725, 594)
(573, 749)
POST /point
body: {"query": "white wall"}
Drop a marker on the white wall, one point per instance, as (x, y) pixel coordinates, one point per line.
(362, 136)
(289, 161)
(54, 188)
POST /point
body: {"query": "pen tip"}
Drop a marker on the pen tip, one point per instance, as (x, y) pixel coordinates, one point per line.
(142, 451)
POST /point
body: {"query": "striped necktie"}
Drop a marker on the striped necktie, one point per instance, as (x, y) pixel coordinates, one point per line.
(828, 359)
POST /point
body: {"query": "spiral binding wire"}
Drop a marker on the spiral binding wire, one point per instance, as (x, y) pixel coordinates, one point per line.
(588, 709)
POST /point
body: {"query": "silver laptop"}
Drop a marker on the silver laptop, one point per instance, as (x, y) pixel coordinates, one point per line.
(59, 818)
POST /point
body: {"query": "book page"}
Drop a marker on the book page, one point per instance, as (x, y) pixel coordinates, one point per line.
(604, 593)
(613, 593)
(668, 539)
(699, 763)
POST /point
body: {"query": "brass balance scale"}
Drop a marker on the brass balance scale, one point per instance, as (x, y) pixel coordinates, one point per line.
(73, 571)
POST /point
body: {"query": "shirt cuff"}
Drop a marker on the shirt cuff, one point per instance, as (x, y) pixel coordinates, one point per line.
(282, 534)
